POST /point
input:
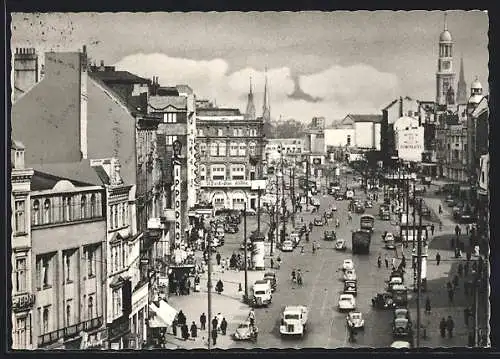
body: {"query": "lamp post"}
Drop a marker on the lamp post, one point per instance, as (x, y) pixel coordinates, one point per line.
(209, 285)
(419, 271)
(245, 253)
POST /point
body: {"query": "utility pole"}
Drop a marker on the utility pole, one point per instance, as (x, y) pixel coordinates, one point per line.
(307, 182)
(258, 210)
(407, 208)
(245, 253)
(209, 287)
(414, 214)
(419, 272)
(283, 203)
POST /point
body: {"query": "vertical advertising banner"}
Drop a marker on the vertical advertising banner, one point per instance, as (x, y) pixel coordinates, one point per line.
(177, 203)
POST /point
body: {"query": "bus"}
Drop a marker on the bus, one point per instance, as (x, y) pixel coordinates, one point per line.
(367, 222)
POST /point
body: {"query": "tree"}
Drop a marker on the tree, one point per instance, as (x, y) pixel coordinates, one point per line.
(289, 129)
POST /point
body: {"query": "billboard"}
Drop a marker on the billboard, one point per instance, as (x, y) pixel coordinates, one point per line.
(410, 143)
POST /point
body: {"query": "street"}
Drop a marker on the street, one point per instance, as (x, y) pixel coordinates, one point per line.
(323, 284)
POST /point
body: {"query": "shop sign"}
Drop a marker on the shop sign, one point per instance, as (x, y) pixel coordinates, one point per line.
(177, 203)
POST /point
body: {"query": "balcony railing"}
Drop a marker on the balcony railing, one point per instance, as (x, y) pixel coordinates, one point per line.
(68, 332)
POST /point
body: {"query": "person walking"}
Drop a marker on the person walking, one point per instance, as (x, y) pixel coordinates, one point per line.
(440, 209)
(386, 262)
(442, 327)
(194, 330)
(450, 295)
(218, 258)
(185, 332)
(203, 321)
(272, 263)
(427, 306)
(438, 258)
(175, 323)
(223, 326)
(379, 261)
(449, 326)
(455, 282)
(214, 337)
(181, 318)
(460, 269)
(432, 229)
(215, 324)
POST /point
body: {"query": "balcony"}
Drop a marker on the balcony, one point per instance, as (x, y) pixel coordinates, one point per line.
(68, 332)
(23, 302)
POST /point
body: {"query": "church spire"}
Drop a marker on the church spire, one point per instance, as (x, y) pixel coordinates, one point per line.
(266, 112)
(250, 112)
(445, 23)
(462, 86)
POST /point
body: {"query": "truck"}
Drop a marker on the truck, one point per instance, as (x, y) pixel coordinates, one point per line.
(361, 241)
(262, 293)
(367, 222)
(294, 320)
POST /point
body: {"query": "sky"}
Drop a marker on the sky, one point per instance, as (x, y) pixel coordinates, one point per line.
(318, 63)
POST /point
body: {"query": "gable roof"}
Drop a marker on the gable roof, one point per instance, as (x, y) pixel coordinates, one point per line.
(218, 112)
(119, 77)
(161, 103)
(365, 118)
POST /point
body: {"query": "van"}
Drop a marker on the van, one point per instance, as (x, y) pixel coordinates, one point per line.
(262, 293)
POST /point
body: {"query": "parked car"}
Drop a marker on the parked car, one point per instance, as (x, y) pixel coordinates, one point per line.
(389, 241)
(351, 287)
(350, 274)
(271, 277)
(347, 302)
(401, 313)
(359, 208)
(383, 301)
(401, 344)
(287, 246)
(401, 327)
(355, 320)
(368, 204)
(319, 221)
(245, 331)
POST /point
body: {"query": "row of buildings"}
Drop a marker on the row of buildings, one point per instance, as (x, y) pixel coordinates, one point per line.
(109, 174)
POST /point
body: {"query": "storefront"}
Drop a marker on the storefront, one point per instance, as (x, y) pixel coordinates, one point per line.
(160, 319)
(138, 315)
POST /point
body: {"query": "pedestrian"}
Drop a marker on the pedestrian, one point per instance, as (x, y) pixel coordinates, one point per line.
(379, 261)
(460, 269)
(467, 229)
(185, 332)
(223, 326)
(214, 337)
(386, 262)
(393, 261)
(427, 306)
(455, 282)
(466, 315)
(438, 258)
(450, 296)
(403, 262)
(174, 327)
(203, 321)
(440, 210)
(194, 330)
(442, 327)
(219, 287)
(450, 325)
(432, 229)
(218, 258)
(181, 318)
(272, 263)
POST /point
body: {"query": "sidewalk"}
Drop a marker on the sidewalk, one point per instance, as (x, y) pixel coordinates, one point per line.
(229, 304)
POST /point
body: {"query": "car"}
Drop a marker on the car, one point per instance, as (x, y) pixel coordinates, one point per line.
(350, 274)
(426, 180)
(347, 302)
(355, 320)
(351, 287)
(329, 214)
(401, 327)
(334, 208)
(383, 301)
(339, 197)
(319, 221)
(368, 204)
(245, 331)
(271, 278)
(340, 245)
(287, 246)
(329, 236)
(394, 281)
(359, 209)
(401, 344)
(389, 241)
(401, 313)
(347, 264)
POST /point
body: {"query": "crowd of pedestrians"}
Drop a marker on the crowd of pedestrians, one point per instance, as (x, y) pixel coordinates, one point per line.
(218, 326)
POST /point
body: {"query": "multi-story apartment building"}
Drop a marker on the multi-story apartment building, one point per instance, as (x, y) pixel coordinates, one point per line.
(292, 148)
(231, 150)
(23, 295)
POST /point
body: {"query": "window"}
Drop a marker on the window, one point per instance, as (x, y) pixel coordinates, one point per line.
(203, 149)
(36, 212)
(169, 140)
(251, 148)
(90, 262)
(203, 172)
(170, 117)
(117, 302)
(20, 274)
(115, 250)
(93, 206)
(222, 149)
(111, 217)
(44, 271)
(67, 265)
(115, 213)
(20, 219)
(213, 149)
(348, 140)
(242, 149)
(220, 132)
(21, 332)
(91, 306)
(124, 219)
(68, 312)
(112, 260)
(200, 132)
(67, 208)
(46, 211)
(218, 172)
(83, 207)
(238, 172)
(124, 263)
(233, 150)
(45, 319)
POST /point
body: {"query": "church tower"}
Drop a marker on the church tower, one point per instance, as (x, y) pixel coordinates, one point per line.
(266, 109)
(250, 112)
(462, 86)
(445, 77)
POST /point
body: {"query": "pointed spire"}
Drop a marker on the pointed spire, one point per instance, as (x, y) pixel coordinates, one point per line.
(445, 23)
(251, 93)
(462, 86)
(266, 114)
(250, 112)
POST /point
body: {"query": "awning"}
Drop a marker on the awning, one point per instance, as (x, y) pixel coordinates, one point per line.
(163, 316)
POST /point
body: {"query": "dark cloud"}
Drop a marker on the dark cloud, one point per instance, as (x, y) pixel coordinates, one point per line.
(299, 94)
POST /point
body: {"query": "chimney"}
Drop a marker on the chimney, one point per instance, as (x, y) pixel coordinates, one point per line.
(25, 70)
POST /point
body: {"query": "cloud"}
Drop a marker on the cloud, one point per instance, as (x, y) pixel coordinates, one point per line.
(331, 93)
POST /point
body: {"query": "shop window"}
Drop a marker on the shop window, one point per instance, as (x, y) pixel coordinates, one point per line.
(46, 319)
(91, 306)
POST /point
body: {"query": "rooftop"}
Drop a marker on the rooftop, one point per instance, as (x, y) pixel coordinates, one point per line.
(160, 103)
(80, 174)
(113, 76)
(366, 118)
(218, 112)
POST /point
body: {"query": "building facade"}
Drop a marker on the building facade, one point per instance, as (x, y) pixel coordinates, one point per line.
(231, 151)
(292, 148)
